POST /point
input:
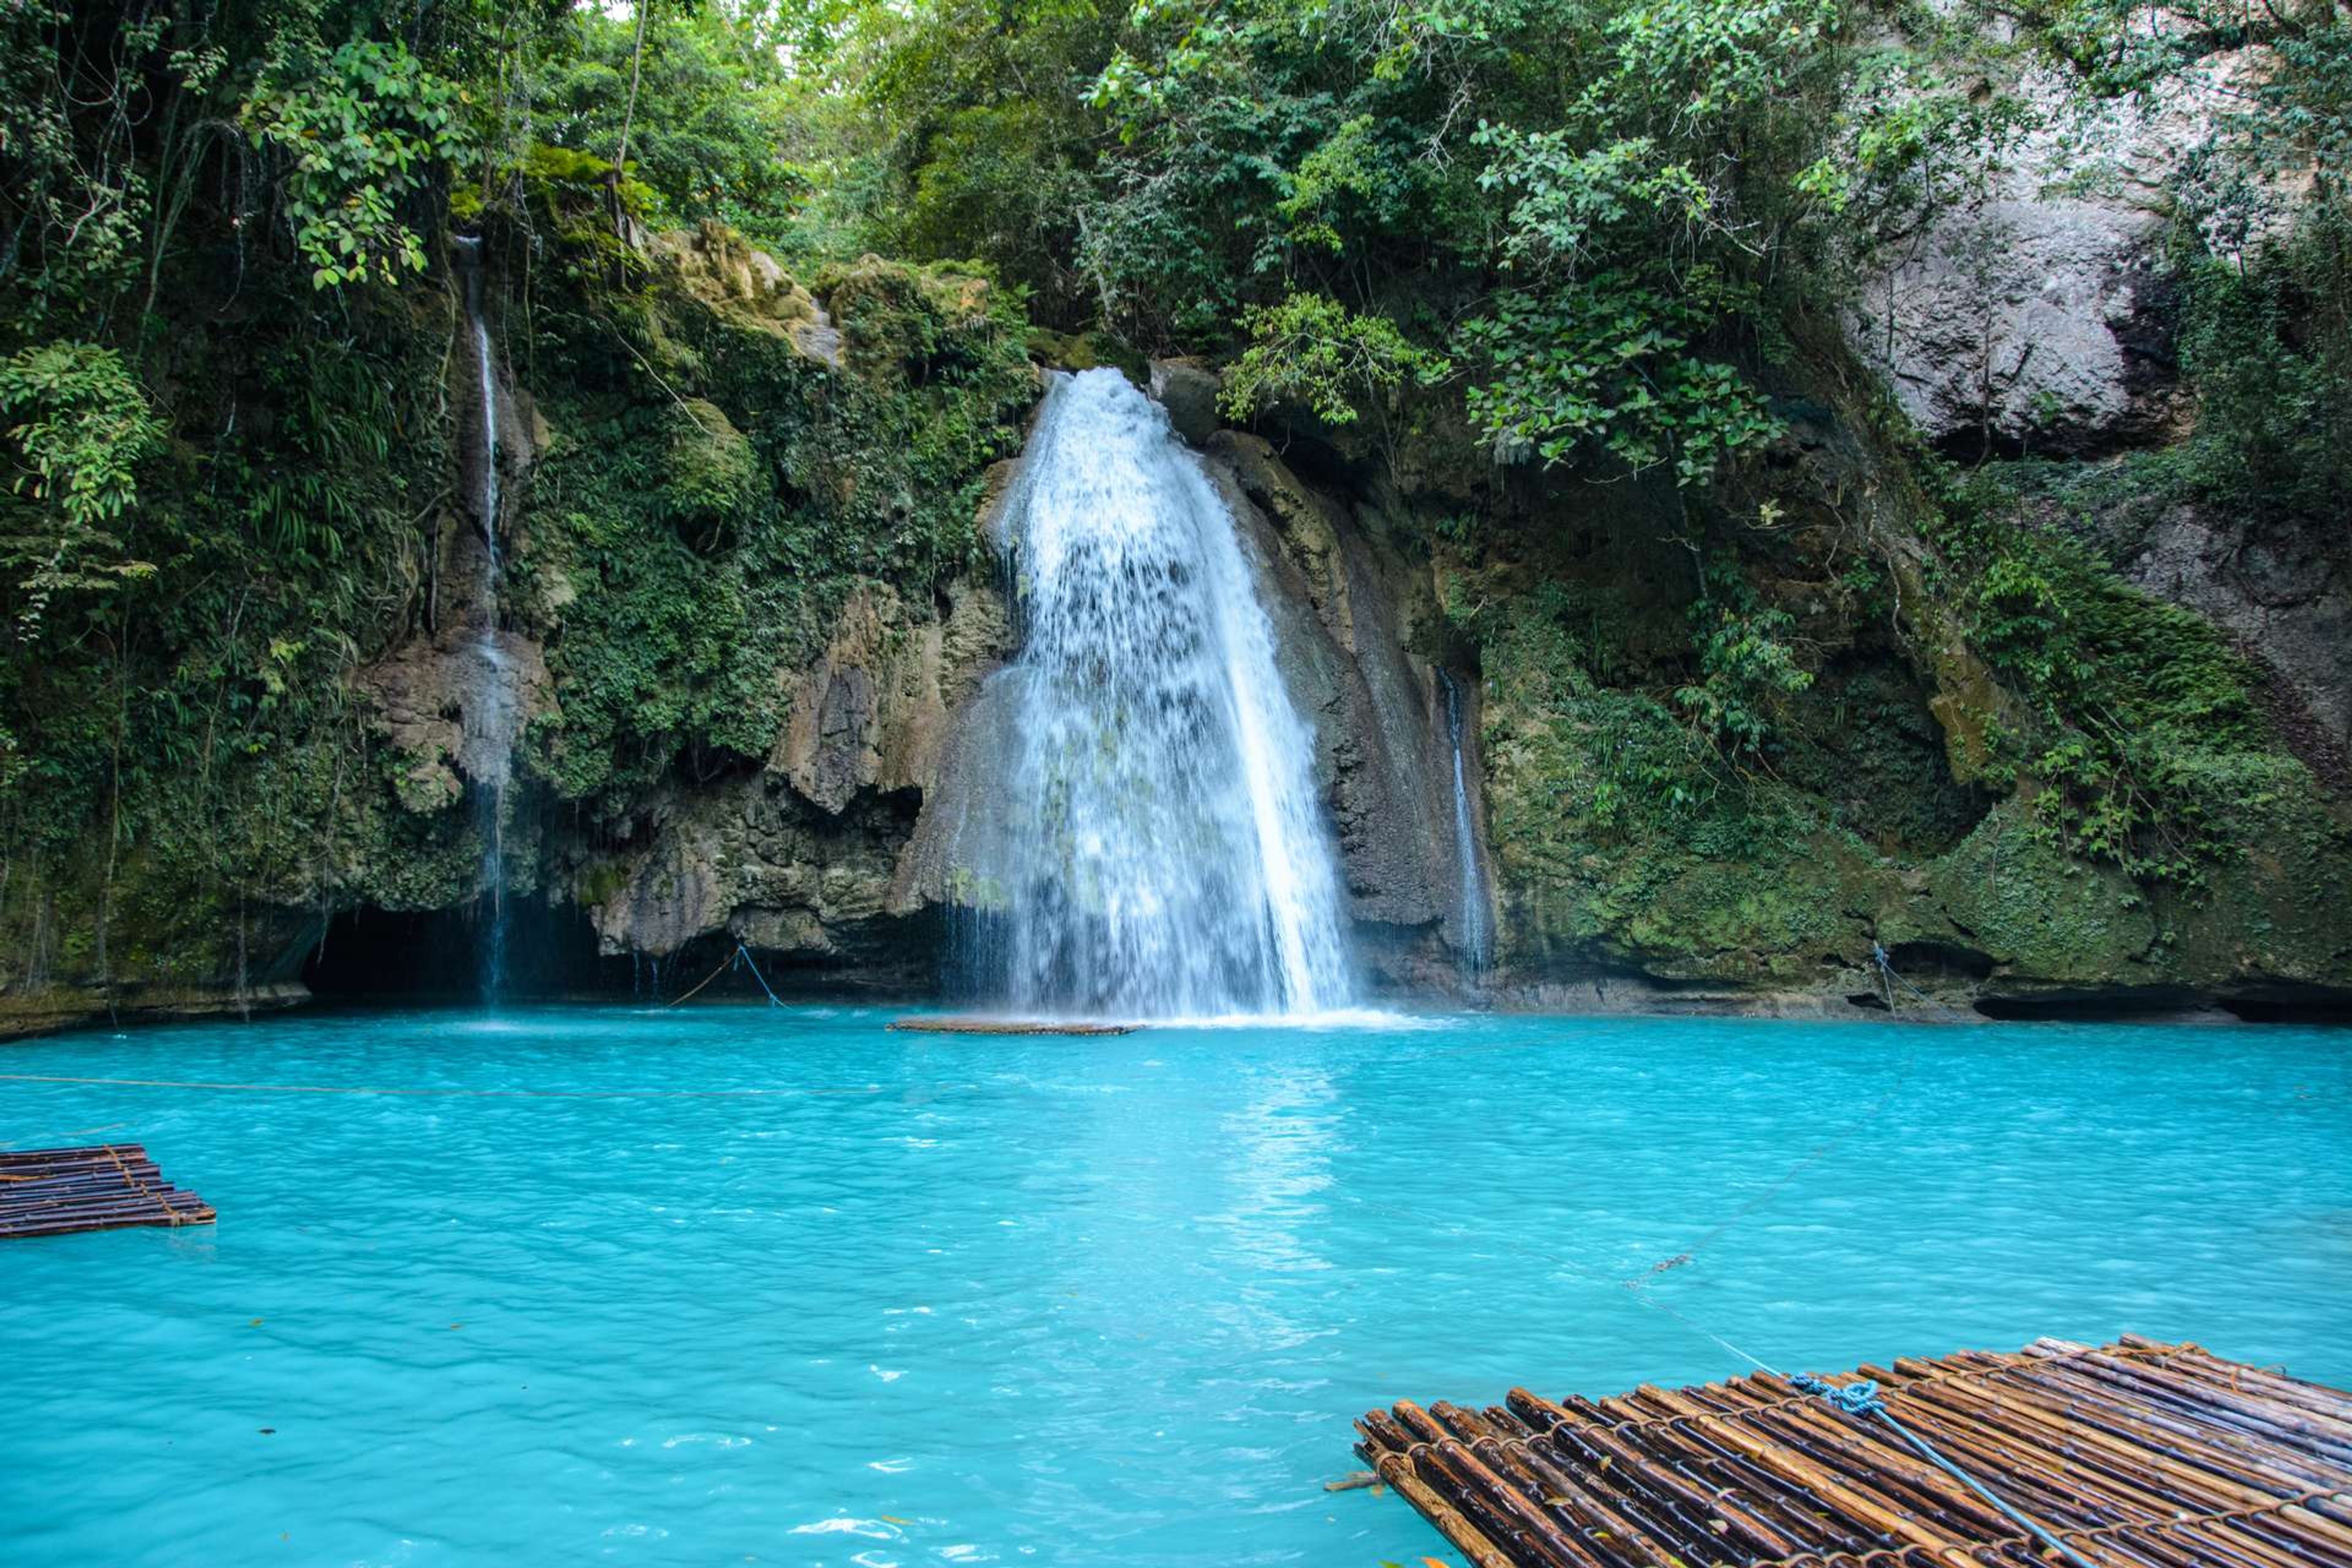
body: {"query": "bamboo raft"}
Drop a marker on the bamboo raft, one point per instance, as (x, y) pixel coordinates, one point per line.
(2135, 1455)
(111, 1187)
(1008, 1026)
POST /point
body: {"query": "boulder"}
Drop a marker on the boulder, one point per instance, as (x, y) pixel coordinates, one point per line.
(2034, 314)
(749, 287)
(1188, 389)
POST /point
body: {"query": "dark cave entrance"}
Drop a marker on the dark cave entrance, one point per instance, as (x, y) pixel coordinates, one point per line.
(441, 955)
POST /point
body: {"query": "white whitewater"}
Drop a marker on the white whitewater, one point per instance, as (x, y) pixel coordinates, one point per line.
(1476, 941)
(1169, 856)
(493, 707)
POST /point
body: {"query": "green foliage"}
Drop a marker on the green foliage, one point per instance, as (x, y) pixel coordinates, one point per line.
(2268, 347)
(363, 130)
(982, 193)
(1313, 350)
(86, 427)
(1916, 135)
(1611, 360)
(1696, 60)
(1633, 771)
(1559, 232)
(74, 200)
(962, 136)
(1623, 828)
(1359, 179)
(713, 476)
(2141, 726)
(568, 191)
(1748, 671)
(713, 115)
(699, 547)
(1604, 241)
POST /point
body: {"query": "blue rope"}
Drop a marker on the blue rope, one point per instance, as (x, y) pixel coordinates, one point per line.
(1861, 1399)
(744, 957)
(1886, 968)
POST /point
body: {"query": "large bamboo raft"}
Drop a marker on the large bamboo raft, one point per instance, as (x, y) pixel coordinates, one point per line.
(2138, 1454)
(55, 1192)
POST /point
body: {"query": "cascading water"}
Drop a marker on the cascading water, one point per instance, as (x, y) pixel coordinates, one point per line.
(1475, 941)
(1165, 852)
(491, 705)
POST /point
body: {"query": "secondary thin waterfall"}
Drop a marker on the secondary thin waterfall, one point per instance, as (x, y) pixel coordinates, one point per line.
(491, 706)
(1476, 941)
(1166, 852)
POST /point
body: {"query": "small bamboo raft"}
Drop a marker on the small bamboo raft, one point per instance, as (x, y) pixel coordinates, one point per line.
(57, 1192)
(2135, 1455)
(1009, 1026)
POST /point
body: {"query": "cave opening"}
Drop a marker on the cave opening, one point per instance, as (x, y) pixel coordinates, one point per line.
(441, 956)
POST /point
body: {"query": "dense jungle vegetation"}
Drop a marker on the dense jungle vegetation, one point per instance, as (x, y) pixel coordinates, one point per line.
(1606, 240)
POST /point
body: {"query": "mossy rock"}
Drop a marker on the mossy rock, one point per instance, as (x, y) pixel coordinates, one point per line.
(2011, 893)
(426, 786)
(1088, 351)
(713, 475)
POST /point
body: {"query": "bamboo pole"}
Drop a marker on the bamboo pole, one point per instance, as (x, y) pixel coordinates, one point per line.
(112, 1187)
(2136, 1454)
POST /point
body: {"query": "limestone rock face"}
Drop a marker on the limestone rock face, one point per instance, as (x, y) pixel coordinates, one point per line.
(800, 860)
(751, 860)
(1188, 389)
(2282, 590)
(1347, 608)
(872, 714)
(2032, 313)
(748, 287)
(427, 696)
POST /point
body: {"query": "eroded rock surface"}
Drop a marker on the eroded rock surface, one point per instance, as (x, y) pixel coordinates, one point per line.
(801, 859)
(2283, 590)
(2033, 312)
(749, 287)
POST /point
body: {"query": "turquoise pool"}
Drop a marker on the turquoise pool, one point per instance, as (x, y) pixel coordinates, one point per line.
(898, 1300)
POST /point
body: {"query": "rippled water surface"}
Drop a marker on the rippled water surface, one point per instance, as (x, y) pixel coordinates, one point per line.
(781, 1287)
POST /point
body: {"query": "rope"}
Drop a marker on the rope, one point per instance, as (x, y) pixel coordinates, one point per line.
(437, 1093)
(1858, 1400)
(1862, 1399)
(1615, 1425)
(743, 955)
(1849, 1130)
(1891, 979)
(2127, 1530)
(1963, 1374)
(735, 960)
(707, 979)
(740, 959)
(77, 1132)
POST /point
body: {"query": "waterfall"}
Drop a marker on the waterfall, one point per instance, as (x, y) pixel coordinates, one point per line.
(1165, 854)
(485, 511)
(492, 706)
(1475, 941)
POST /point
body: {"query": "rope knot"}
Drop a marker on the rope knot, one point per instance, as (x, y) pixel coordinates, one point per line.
(1855, 1398)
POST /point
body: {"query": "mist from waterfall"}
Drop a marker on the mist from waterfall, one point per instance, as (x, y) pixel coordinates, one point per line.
(1475, 939)
(492, 706)
(1166, 854)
